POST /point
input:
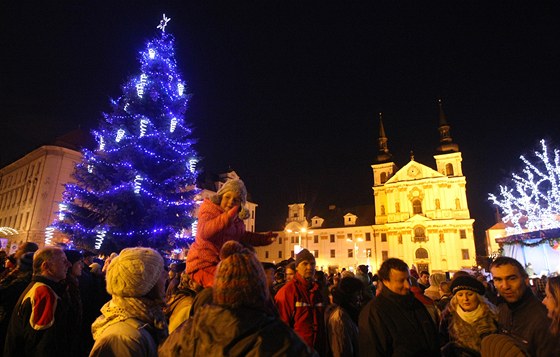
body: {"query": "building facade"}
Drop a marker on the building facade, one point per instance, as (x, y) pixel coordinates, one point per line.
(421, 216)
(30, 190)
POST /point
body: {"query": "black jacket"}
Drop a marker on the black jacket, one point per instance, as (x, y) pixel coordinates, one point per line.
(396, 325)
(527, 322)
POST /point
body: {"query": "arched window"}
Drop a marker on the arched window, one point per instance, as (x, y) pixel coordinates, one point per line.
(416, 206)
(421, 253)
(383, 177)
(382, 208)
(449, 170)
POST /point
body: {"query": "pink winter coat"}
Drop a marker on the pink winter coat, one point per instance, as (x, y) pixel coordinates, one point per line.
(214, 229)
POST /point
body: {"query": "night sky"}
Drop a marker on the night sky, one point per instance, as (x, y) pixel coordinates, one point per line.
(287, 93)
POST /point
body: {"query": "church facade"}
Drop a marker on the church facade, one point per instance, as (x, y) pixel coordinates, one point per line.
(420, 215)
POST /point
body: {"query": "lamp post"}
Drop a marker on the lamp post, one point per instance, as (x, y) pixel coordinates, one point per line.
(299, 247)
(356, 248)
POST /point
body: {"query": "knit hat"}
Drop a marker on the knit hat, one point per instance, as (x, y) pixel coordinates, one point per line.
(239, 279)
(73, 255)
(25, 262)
(436, 279)
(304, 254)
(134, 272)
(234, 185)
(467, 282)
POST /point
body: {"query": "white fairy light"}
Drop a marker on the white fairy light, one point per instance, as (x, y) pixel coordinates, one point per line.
(49, 233)
(173, 125)
(143, 126)
(534, 203)
(180, 89)
(163, 23)
(192, 165)
(61, 208)
(137, 184)
(90, 168)
(120, 135)
(151, 53)
(100, 237)
(101, 143)
(194, 226)
(140, 85)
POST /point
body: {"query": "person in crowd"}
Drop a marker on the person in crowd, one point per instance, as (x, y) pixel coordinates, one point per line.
(238, 322)
(3, 257)
(468, 318)
(552, 303)
(433, 290)
(77, 335)
(446, 295)
(362, 275)
(539, 287)
(269, 271)
(279, 281)
(10, 291)
(96, 268)
(424, 280)
(301, 305)
(13, 261)
(395, 323)
(489, 290)
(175, 272)
(220, 219)
(178, 305)
(40, 321)
(342, 318)
(132, 322)
(290, 271)
(27, 247)
(429, 304)
(321, 279)
(520, 314)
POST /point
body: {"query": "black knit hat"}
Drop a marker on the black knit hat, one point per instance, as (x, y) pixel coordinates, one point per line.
(467, 282)
(304, 255)
(73, 255)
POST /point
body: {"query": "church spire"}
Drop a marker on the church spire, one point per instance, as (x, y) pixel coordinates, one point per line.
(383, 155)
(446, 142)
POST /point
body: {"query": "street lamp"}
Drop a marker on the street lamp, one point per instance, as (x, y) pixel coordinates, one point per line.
(298, 247)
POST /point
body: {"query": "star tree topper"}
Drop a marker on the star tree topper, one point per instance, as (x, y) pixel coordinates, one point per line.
(163, 23)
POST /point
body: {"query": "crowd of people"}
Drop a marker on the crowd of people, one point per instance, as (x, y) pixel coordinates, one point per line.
(224, 302)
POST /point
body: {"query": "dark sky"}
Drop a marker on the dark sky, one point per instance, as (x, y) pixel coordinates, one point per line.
(287, 92)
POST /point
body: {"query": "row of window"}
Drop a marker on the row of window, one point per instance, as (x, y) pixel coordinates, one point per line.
(20, 176)
(15, 221)
(18, 195)
(417, 206)
(420, 253)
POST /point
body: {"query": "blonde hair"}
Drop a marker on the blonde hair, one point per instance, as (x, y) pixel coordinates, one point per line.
(487, 306)
(553, 287)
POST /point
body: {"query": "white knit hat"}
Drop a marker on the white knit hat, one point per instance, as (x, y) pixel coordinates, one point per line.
(134, 272)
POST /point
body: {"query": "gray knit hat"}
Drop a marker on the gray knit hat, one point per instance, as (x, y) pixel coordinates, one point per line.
(304, 255)
(233, 185)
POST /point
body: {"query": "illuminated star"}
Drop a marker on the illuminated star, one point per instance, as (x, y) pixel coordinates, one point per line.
(163, 23)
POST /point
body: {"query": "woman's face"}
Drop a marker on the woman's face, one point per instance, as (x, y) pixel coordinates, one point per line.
(77, 267)
(467, 300)
(230, 199)
(549, 302)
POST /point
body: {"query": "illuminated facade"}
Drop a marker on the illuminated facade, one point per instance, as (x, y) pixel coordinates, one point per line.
(421, 216)
(30, 190)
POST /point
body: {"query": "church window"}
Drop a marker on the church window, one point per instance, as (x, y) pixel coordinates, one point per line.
(399, 239)
(465, 254)
(397, 207)
(315, 239)
(368, 236)
(463, 233)
(441, 237)
(266, 254)
(384, 255)
(350, 253)
(416, 206)
(280, 254)
(333, 253)
(383, 177)
(419, 234)
(316, 253)
(457, 203)
(383, 237)
(332, 238)
(421, 253)
(437, 203)
(449, 170)
(382, 208)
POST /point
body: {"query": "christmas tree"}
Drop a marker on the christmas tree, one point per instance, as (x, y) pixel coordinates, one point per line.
(533, 201)
(137, 187)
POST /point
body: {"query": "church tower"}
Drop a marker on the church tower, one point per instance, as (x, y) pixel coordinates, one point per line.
(448, 157)
(384, 167)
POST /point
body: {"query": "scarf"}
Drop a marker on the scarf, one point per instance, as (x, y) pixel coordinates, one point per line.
(470, 316)
(122, 308)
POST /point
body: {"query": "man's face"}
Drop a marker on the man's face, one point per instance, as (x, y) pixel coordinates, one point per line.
(57, 266)
(509, 282)
(424, 279)
(399, 282)
(306, 269)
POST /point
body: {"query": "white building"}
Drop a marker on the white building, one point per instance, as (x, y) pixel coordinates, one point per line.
(421, 216)
(30, 189)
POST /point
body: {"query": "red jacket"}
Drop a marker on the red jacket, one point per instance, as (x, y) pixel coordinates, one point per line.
(303, 310)
(215, 227)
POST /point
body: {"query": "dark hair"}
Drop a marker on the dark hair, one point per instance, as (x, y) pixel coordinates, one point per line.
(291, 266)
(499, 261)
(267, 265)
(391, 263)
(424, 272)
